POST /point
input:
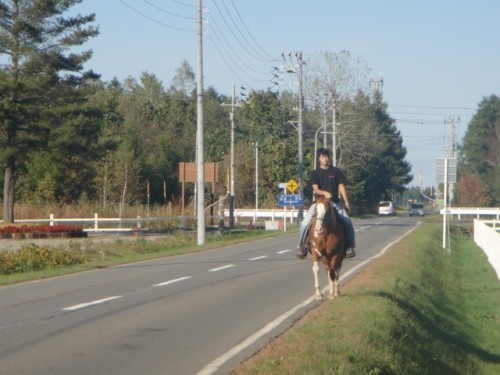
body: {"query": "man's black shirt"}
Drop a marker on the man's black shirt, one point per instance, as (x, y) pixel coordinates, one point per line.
(329, 180)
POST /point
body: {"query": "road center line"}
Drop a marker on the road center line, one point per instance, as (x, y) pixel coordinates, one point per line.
(221, 268)
(284, 251)
(172, 281)
(87, 304)
(257, 258)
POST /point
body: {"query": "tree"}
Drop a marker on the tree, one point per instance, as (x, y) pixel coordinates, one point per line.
(265, 120)
(36, 38)
(184, 81)
(480, 152)
(470, 191)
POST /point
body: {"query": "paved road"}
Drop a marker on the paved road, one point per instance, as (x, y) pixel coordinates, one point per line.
(191, 314)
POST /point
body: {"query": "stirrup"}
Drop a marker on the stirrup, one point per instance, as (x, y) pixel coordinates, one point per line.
(302, 251)
(350, 253)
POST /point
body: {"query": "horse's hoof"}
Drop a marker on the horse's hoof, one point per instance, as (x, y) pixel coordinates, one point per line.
(319, 297)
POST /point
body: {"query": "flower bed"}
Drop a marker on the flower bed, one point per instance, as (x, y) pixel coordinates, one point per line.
(42, 231)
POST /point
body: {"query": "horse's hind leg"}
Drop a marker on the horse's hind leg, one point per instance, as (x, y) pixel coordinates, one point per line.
(318, 293)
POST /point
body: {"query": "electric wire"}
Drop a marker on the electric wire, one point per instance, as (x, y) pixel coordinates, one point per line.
(227, 64)
(154, 20)
(251, 36)
(262, 57)
(183, 4)
(216, 34)
(242, 45)
(168, 12)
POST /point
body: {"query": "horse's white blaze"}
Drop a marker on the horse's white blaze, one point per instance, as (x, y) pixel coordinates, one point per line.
(320, 215)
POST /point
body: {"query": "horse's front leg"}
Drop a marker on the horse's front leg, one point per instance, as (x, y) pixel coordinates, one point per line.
(334, 284)
(330, 283)
(317, 293)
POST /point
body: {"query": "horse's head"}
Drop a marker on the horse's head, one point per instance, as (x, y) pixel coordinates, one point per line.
(322, 208)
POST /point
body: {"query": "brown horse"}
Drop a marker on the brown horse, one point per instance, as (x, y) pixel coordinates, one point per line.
(327, 240)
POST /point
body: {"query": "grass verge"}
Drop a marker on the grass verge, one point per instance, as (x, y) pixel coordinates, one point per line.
(417, 310)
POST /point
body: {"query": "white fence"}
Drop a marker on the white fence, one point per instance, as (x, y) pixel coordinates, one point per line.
(98, 223)
(264, 214)
(488, 212)
(487, 237)
(114, 223)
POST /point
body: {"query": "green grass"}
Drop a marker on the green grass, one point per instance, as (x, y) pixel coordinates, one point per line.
(33, 262)
(417, 310)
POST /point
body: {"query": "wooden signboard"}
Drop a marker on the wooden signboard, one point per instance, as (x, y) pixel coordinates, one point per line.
(188, 173)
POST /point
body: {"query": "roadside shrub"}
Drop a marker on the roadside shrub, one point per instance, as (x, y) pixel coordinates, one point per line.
(36, 258)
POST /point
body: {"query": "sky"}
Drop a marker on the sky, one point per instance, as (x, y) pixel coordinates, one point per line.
(438, 59)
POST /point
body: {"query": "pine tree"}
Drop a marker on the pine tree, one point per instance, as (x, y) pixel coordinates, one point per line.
(37, 79)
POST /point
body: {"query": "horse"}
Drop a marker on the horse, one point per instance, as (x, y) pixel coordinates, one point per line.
(327, 244)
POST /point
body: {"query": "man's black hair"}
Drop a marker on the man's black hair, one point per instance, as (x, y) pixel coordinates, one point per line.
(322, 151)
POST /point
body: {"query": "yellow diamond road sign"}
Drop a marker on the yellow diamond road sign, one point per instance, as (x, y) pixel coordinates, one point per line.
(292, 186)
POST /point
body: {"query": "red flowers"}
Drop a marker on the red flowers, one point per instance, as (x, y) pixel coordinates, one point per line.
(40, 228)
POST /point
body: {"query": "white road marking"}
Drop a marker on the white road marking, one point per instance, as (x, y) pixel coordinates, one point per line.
(173, 281)
(284, 251)
(221, 268)
(257, 258)
(87, 304)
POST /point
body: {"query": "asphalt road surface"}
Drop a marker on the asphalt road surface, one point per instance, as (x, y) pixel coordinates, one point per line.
(192, 314)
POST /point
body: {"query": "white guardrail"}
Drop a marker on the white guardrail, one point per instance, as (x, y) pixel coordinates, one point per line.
(265, 214)
(487, 237)
(126, 224)
(478, 212)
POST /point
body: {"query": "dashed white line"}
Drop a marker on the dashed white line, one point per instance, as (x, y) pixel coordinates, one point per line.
(87, 304)
(173, 281)
(221, 268)
(284, 251)
(257, 258)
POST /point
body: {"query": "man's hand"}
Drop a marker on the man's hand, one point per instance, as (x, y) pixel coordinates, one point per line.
(347, 207)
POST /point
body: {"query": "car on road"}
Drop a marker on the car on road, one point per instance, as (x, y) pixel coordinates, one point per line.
(386, 208)
(416, 209)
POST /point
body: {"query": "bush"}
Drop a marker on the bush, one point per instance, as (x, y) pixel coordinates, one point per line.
(37, 258)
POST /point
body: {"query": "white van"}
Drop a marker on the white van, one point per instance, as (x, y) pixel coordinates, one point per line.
(386, 208)
(416, 209)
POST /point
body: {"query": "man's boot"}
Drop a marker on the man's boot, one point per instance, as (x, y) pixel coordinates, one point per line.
(350, 253)
(302, 250)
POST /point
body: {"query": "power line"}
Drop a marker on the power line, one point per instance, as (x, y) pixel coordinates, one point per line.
(242, 45)
(232, 50)
(154, 20)
(421, 106)
(250, 34)
(183, 4)
(168, 12)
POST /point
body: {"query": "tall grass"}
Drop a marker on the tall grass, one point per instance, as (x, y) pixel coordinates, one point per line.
(87, 210)
(417, 310)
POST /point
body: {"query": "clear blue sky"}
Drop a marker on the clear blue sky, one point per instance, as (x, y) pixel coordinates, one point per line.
(438, 58)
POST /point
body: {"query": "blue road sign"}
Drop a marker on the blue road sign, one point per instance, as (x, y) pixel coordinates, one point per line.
(290, 199)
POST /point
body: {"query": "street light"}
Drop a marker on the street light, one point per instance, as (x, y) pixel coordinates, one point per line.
(316, 140)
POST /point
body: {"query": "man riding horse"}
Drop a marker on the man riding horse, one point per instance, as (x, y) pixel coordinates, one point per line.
(328, 181)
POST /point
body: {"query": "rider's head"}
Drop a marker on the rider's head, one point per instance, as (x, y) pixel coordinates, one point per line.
(322, 151)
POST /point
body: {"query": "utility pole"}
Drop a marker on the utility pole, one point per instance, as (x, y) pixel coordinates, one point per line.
(300, 126)
(200, 169)
(451, 154)
(334, 133)
(292, 69)
(231, 196)
(256, 146)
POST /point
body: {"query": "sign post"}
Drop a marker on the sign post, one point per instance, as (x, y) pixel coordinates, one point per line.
(446, 173)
